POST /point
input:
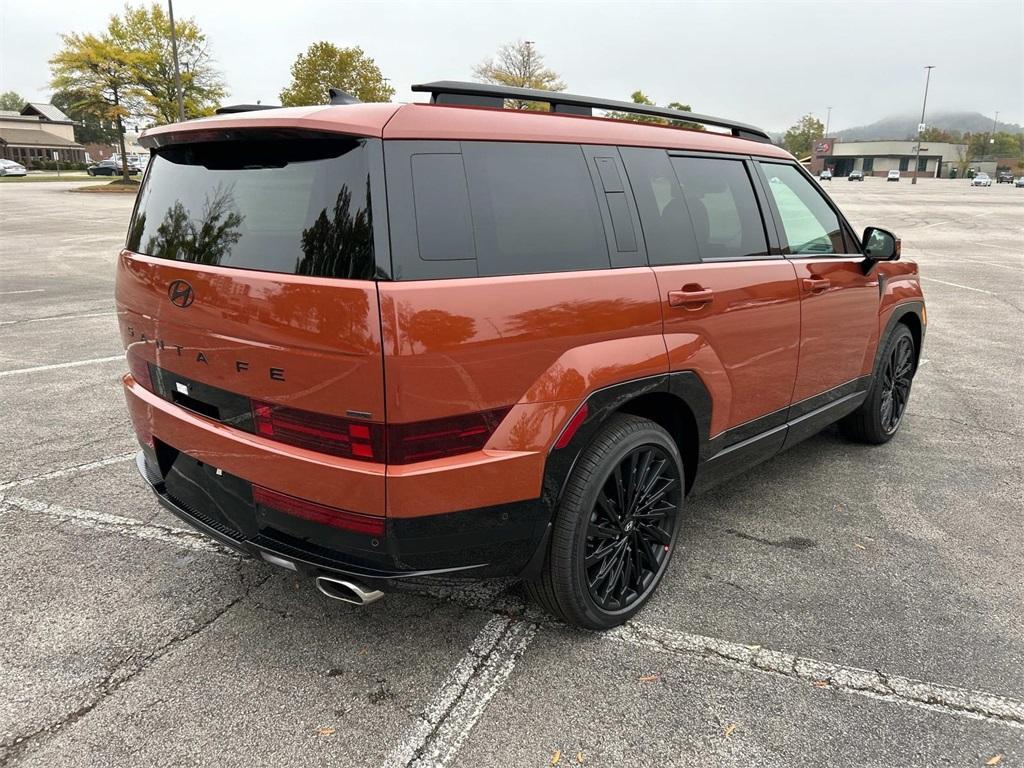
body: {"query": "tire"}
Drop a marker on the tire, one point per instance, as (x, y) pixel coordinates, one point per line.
(91, 173)
(628, 557)
(879, 417)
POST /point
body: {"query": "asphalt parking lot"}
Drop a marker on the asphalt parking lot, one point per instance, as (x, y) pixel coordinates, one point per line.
(839, 605)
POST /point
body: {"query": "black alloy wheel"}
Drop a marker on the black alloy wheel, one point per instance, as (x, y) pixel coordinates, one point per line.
(879, 417)
(616, 525)
(630, 530)
(896, 378)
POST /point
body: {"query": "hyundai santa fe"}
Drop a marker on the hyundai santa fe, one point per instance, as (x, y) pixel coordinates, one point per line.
(373, 342)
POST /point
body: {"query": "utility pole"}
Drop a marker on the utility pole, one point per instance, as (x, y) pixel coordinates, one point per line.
(828, 121)
(177, 72)
(992, 138)
(920, 125)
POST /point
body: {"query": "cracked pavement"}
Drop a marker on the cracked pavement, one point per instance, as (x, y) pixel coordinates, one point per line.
(838, 605)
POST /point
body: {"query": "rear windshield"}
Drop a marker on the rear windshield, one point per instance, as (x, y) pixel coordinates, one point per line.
(297, 206)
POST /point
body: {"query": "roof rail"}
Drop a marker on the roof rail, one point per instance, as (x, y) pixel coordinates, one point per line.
(493, 96)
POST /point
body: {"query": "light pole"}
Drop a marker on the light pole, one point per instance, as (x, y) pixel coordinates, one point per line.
(828, 121)
(992, 138)
(920, 125)
(177, 72)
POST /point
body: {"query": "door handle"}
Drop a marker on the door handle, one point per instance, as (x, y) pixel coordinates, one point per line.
(816, 284)
(690, 297)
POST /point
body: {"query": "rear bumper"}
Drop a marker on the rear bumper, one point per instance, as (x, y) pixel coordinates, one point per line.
(482, 543)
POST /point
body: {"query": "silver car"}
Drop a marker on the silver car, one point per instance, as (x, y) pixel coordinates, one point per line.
(981, 180)
(11, 168)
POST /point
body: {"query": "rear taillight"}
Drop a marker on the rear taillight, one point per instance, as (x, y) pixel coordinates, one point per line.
(370, 441)
(318, 513)
(438, 438)
(139, 369)
(319, 432)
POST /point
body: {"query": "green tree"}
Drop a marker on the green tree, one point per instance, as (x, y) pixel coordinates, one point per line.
(147, 30)
(12, 101)
(104, 73)
(639, 97)
(91, 128)
(936, 134)
(519, 65)
(324, 66)
(1000, 144)
(799, 137)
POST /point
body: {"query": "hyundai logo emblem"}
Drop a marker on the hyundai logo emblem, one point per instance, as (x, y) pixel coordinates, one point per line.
(181, 293)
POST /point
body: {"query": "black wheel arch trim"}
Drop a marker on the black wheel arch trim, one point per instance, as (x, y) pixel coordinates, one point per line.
(899, 313)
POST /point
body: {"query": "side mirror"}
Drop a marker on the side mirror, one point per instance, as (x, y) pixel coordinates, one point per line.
(880, 245)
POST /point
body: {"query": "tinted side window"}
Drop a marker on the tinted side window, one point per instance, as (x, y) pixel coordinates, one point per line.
(444, 225)
(811, 226)
(534, 209)
(668, 230)
(726, 218)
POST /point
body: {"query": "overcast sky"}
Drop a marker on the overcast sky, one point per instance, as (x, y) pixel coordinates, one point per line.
(765, 63)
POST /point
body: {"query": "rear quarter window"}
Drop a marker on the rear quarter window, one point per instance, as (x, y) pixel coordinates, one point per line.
(466, 209)
(294, 206)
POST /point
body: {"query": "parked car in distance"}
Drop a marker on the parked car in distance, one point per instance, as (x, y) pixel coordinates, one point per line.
(111, 168)
(1004, 177)
(371, 342)
(825, 175)
(855, 176)
(981, 180)
(11, 168)
(1019, 182)
(894, 175)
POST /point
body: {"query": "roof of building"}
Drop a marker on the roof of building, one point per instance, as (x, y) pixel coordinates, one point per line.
(435, 121)
(46, 111)
(30, 137)
(9, 113)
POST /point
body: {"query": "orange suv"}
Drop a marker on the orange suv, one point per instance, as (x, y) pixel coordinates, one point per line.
(371, 342)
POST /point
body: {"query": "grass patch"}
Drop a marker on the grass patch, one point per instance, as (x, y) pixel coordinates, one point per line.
(32, 178)
(118, 186)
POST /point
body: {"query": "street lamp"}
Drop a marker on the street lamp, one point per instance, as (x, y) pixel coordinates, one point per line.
(920, 125)
(177, 72)
(828, 121)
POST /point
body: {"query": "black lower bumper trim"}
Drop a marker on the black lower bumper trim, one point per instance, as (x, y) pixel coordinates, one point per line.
(493, 541)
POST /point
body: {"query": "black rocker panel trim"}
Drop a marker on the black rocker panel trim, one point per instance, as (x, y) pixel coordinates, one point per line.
(742, 447)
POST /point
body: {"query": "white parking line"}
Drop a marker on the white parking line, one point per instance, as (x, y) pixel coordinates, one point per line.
(445, 724)
(67, 471)
(55, 366)
(56, 317)
(32, 290)
(977, 705)
(957, 285)
(104, 521)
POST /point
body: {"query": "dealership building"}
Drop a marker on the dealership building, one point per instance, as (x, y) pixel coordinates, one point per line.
(877, 158)
(36, 133)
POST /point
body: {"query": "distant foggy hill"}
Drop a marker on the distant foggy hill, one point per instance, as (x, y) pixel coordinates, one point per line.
(905, 126)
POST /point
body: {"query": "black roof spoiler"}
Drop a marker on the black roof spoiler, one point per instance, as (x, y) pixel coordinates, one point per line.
(337, 97)
(494, 96)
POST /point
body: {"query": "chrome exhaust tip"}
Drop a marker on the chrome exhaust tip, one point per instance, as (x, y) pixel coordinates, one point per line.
(348, 591)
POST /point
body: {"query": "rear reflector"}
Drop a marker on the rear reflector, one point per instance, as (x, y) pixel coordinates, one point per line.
(318, 513)
(319, 432)
(574, 424)
(140, 370)
(438, 438)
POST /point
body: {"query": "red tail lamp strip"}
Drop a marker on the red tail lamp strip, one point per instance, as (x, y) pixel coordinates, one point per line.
(319, 432)
(438, 438)
(318, 513)
(370, 441)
